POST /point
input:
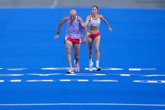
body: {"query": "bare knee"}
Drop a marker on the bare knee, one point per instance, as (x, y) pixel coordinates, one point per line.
(68, 51)
(90, 48)
(90, 51)
(97, 50)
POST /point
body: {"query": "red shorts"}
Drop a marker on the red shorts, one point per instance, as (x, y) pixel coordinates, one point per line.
(93, 36)
(74, 41)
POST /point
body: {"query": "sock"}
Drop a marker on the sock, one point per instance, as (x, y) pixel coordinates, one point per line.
(90, 62)
(97, 63)
(75, 62)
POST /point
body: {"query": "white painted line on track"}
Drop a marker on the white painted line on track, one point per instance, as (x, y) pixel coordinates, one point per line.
(16, 69)
(45, 80)
(4, 75)
(138, 81)
(86, 74)
(141, 69)
(101, 74)
(55, 68)
(73, 74)
(152, 81)
(50, 74)
(117, 69)
(149, 81)
(65, 80)
(125, 75)
(162, 81)
(1, 81)
(105, 80)
(16, 81)
(82, 80)
(85, 104)
(154, 75)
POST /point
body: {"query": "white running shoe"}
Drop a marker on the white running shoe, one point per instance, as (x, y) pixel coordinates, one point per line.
(70, 71)
(90, 66)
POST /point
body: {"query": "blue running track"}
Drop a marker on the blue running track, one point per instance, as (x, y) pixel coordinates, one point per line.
(33, 65)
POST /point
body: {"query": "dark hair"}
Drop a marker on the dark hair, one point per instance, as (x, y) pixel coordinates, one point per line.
(95, 6)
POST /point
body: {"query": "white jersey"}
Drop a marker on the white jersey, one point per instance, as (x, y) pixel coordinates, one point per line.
(94, 23)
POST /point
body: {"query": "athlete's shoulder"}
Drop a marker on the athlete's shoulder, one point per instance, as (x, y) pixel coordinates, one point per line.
(89, 16)
(78, 17)
(66, 18)
(100, 16)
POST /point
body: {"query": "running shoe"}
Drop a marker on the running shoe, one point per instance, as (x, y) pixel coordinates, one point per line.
(98, 69)
(90, 67)
(70, 71)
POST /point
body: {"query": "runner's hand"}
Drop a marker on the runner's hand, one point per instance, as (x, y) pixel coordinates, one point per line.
(110, 29)
(56, 36)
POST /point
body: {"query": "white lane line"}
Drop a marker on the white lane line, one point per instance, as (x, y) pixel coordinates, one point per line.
(153, 75)
(1, 68)
(101, 74)
(138, 81)
(3, 75)
(152, 81)
(162, 81)
(1, 81)
(82, 80)
(105, 80)
(61, 80)
(65, 80)
(45, 80)
(86, 74)
(60, 68)
(71, 74)
(16, 81)
(16, 69)
(149, 81)
(117, 69)
(50, 74)
(141, 69)
(125, 75)
(85, 104)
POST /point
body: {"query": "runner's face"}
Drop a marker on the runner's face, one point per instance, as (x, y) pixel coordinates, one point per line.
(94, 10)
(72, 17)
